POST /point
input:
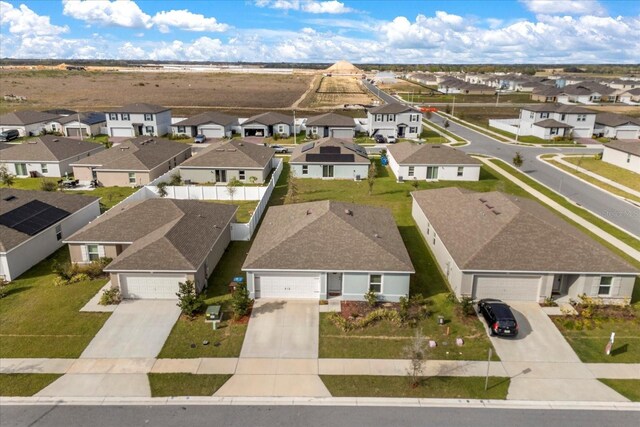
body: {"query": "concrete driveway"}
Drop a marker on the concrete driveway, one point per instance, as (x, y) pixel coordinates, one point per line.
(282, 329)
(137, 328)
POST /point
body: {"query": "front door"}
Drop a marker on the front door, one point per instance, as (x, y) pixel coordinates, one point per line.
(432, 172)
(557, 284)
(326, 131)
(139, 130)
(327, 171)
(401, 130)
(221, 175)
(334, 284)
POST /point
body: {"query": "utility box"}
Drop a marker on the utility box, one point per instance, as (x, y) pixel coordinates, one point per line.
(213, 313)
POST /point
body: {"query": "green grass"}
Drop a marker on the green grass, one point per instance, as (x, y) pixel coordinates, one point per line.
(446, 132)
(25, 384)
(530, 139)
(432, 387)
(245, 208)
(165, 385)
(38, 319)
(607, 170)
(516, 98)
(628, 388)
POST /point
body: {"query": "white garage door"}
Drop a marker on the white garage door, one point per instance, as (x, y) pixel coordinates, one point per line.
(122, 132)
(508, 288)
(150, 286)
(342, 133)
(299, 286)
(212, 132)
(627, 134)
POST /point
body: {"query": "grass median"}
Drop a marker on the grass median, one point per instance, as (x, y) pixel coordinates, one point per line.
(166, 385)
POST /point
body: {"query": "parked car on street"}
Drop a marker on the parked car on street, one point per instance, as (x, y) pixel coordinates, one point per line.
(499, 317)
(280, 149)
(379, 139)
(199, 139)
(9, 135)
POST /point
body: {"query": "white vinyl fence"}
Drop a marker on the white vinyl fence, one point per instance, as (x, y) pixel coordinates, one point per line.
(509, 125)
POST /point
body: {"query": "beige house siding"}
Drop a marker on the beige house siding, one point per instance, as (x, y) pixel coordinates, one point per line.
(110, 251)
(208, 175)
(82, 173)
(121, 179)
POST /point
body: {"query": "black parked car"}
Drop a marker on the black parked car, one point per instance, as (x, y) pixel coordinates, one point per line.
(499, 317)
(380, 139)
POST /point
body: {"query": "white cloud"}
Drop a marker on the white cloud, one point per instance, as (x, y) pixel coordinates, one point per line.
(568, 7)
(187, 21)
(122, 13)
(25, 22)
(309, 6)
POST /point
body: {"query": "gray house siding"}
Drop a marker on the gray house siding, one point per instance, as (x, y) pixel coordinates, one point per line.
(161, 123)
(213, 258)
(387, 124)
(349, 171)
(394, 286)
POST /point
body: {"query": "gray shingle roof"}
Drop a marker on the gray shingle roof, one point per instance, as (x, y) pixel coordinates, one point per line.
(208, 117)
(165, 234)
(140, 108)
(631, 147)
(232, 154)
(394, 108)
(406, 153)
(499, 232)
(90, 118)
(269, 119)
(328, 236)
(10, 238)
(299, 153)
(331, 119)
(558, 108)
(47, 148)
(139, 154)
(551, 123)
(614, 120)
(21, 118)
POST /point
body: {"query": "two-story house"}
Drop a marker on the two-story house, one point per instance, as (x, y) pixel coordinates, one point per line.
(396, 119)
(548, 121)
(139, 119)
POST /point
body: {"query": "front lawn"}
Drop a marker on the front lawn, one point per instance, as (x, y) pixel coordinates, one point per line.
(607, 170)
(165, 385)
(25, 384)
(431, 387)
(628, 388)
(38, 319)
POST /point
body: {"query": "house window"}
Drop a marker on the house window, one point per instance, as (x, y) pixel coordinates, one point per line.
(428, 228)
(434, 238)
(181, 129)
(94, 174)
(54, 127)
(241, 175)
(554, 131)
(413, 130)
(44, 167)
(532, 115)
(92, 252)
(149, 130)
(305, 169)
(21, 169)
(460, 170)
(375, 283)
(314, 130)
(148, 117)
(378, 117)
(415, 117)
(582, 117)
(280, 128)
(113, 116)
(563, 117)
(58, 232)
(605, 285)
(544, 115)
(124, 116)
(132, 177)
(411, 171)
(391, 118)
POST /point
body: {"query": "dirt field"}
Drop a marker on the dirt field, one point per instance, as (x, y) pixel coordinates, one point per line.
(336, 91)
(404, 86)
(628, 110)
(96, 90)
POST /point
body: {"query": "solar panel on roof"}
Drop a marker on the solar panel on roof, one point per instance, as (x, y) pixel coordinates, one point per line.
(330, 150)
(356, 148)
(330, 158)
(33, 217)
(307, 147)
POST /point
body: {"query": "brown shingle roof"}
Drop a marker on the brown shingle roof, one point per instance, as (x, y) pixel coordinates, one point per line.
(500, 232)
(328, 236)
(558, 108)
(10, 238)
(208, 117)
(269, 119)
(232, 154)
(47, 148)
(21, 118)
(140, 154)
(165, 234)
(140, 108)
(331, 119)
(631, 147)
(299, 153)
(406, 153)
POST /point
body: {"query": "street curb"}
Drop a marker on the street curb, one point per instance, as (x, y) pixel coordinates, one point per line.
(324, 401)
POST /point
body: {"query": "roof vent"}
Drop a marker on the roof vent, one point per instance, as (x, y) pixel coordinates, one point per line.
(33, 141)
(219, 149)
(124, 148)
(376, 235)
(241, 144)
(348, 212)
(56, 140)
(231, 149)
(489, 206)
(8, 198)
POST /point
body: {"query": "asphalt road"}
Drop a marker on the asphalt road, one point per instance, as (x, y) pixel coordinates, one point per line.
(380, 93)
(307, 416)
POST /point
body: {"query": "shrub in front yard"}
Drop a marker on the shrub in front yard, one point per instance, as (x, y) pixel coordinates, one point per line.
(110, 296)
(189, 302)
(371, 298)
(362, 322)
(48, 185)
(240, 301)
(466, 304)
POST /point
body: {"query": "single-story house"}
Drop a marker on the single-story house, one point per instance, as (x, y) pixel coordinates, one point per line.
(156, 244)
(267, 125)
(46, 155)
(132, 163)
(211, 124)
(33, 225)
(410, 161)
(245, 161)
(331, 125)
(139, 119)
(89, 124)
(624, 154)
(630, 96)
(293, 254)
(496, 245)
(29, 123)
(330, 158)
(616, 126)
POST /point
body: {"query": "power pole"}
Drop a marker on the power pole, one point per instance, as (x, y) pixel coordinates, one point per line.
(294, 127)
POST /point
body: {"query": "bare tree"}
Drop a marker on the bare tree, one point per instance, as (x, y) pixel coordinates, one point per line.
(232, 187)
(371, 176)
(416, 352)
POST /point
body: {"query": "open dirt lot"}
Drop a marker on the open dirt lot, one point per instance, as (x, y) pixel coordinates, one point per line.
(83, 90)
(404, 86)
(335, 91)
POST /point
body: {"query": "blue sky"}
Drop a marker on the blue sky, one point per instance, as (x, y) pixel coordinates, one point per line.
(518, 31)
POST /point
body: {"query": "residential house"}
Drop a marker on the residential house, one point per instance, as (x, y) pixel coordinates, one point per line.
(410, 161)
(426, 79)
(139, 119)
(330, 158)
(29, 123)
(629, 96)
(624, 154)
(331, 125)
(132, 163)
(549, 121)
(87, 124)
(33, 225)
(496, 245)
(220, 163)
(156, 244)
(583, 93)
(294, 255)
(211, 124)
(398, 120)
(622, 84)
(267, 125)
(617, 126)
(46, 155)
(454, 86)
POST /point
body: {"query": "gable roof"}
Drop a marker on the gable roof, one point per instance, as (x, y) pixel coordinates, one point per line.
(232, 154)
(9, 237)
(140, 108)
(140, 154)
(269, 119)
(26, 117)
(164, 234)
(393, 108)
(614, 120)
(208, 117)
(328, 236)
(89, 118)
(47, 148)
(331, 119)
(630, 147)
(407, 153)
(341, 148)
(558, 108)
(499, 232)
(551, 123)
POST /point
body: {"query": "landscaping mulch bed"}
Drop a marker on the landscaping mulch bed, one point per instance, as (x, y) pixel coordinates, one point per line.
(355, 309)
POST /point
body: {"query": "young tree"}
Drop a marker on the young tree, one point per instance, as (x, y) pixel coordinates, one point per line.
(189, 302)
(518, 160)
(6, 177)
(240, 301)
(292, 187)
(162, 189)
(371, 176)
(416, 352)
(176, 179)
(232, 187)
